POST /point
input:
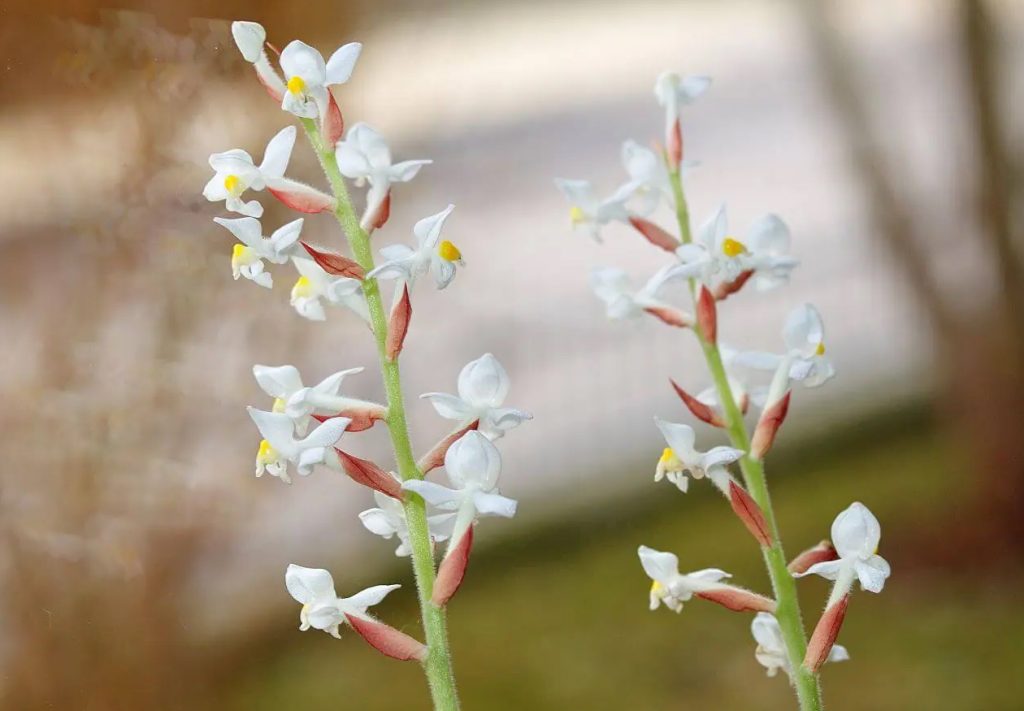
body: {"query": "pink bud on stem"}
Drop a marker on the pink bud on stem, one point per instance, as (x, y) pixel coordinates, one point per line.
(332, 125)
(699, 409)
(387, 640)
(452, 570)
(768, 426)
(435, 457)
(820, 553)
(737, 599)
(749, 513)
(825, 634)
(675, 145)
(336, 264)
(398, 325)
(365, 472)
(654, 234)
(707, 315)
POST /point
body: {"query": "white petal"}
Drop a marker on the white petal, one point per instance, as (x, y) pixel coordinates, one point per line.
(473, 459)
(279, 382)
(856, 532)
(804, 331)
(368, 597)
(838, 654)
(299, 59)
(659, 566)
(428, 230)
(406, 170)
(758, 360)
(449, 407)
(494, 504)
(342, 63)
(284, 237)
(377, 521)
(709, 575)
(277, 428)
(828, 569)
(249, 37)
(714, 229)
(484, 382)
(326, 616)
(307, 585)
(326, 434)
(767, 632)
(278, 153)
(872, 573)
(720, 456)
(680, 438)
(433, 493)
(768, 234)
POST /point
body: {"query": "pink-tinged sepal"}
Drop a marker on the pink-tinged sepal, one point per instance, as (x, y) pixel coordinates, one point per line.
(365, 472)
(452, 570)
(398, 324)
(821, 553)
(727, 288)
(299, 196)
(825, 634)
(387, 640)
(654, 234)
(738, 599)
(362, 415)
(707, 315)
(270, 81)
(435, 457)
(749, 513)
(768, 426)
(700, 410)
(377, 216)
(670, 316)
(332, 125)
(336, 264)
(675, 145)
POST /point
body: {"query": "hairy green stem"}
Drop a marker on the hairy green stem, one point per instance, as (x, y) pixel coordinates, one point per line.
(437, 666)
(806, 683)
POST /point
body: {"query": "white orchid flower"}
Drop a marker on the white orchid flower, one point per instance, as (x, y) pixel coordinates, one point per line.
(855, 536)
(364, 156)
(279, 447)
(300, 403)
(314, 285)
(681, 457)
(307, 76)
(648, 177)
(235, 172)
(623, 301)
(768, 242)
(804, 359)
(771, 648)
(671, 588)
(387, 520)
(473, 465)
(483, 385)
(322, 609)
(673, 92)
(431, 254)
(590, 213)
(250, 37)
(247, 257)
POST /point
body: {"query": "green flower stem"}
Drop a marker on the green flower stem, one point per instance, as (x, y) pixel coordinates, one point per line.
(437, 666)
(806, 683)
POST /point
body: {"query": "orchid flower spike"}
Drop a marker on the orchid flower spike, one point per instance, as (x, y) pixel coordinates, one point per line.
(622, 301)
(248, 255)
(235, 172)
(364, 156)
(483, 385)
(250, 37)
(771, 649)
(387, 520)
(473, 465)
(308, 77)
(431, 254)
(322, 609)
(671, 588)
(855, 535)
(681, 458)
(300, 403)
(590, 213)
(804, 359)
(279, 445)
(314, 285)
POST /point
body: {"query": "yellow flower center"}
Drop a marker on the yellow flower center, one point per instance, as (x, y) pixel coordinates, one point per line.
(233, 185)
(657, 588)
(278, 405)
(266, 454)
(669, 460)
(241, 256)
(296, 85)
(820, 350)
(733, 247)
(576, 215)
(448, 251)
(303, 288)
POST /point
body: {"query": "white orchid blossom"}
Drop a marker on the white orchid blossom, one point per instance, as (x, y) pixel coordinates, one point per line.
(300, 403)
(671, 588)
(648, 177)
(855, 536)
(364, 156)
(431, 254)
(250, 37)
(235, 172)
(804, 359)
(307, 76)
(673, 92)
(322, 609)
(681, 458)
(483, 385)
(473, 465)
(315, 285)
(247, 256)
(622, 300)
(590, 213)
(771, 648)
(387, 520)
(279, 447)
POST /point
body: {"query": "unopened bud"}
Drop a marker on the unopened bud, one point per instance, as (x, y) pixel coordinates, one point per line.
(452, 570)
(825, 634)
(398, 324)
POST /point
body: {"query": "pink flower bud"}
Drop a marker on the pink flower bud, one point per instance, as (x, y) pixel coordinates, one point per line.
(675, 145)
(381, 213)
(699, 409)
(336, 264)
(435, 457)
(398, 325)
(332, 125)
(737, 599)
(365, 472)
(728, 288)
(825, 634)
(654, 234)
(749, 513)
(671, 316)
(768, 426)
(387, 640)
(707, 315)
(452, 570)
(299, 196)
(820, 553)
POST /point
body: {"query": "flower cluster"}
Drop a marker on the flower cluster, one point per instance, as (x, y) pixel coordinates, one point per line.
(303, 426)
(716, 263)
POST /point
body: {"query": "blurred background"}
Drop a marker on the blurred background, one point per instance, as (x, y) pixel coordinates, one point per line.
(142, 563)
